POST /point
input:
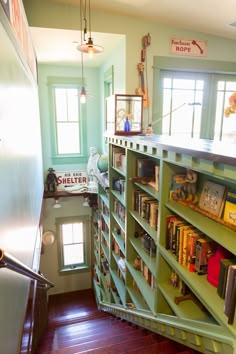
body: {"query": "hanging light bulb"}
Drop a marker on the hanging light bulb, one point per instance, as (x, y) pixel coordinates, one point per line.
(89, 47)
(83, 95)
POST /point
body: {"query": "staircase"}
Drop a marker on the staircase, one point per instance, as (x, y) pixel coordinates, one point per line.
(76, 326)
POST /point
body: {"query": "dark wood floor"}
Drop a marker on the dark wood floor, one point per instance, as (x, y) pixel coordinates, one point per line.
(76, 326)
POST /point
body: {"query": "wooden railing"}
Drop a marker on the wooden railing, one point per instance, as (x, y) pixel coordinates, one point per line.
(10, 262)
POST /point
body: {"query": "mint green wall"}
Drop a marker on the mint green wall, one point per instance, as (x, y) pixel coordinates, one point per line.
(40, 12)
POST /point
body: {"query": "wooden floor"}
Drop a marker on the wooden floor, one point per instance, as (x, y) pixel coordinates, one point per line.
(76, 326)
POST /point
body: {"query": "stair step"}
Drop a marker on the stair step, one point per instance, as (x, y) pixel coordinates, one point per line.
(121, 347)
(75, 339)
(116, 344)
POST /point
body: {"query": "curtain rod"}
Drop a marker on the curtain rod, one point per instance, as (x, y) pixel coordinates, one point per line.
(10, 262)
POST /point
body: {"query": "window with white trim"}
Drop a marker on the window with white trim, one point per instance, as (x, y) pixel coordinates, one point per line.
(73, 243)
(192, 96)
(67, 121)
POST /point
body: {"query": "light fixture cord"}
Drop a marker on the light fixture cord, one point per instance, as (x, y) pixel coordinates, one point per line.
(90, 35)
(82, 15)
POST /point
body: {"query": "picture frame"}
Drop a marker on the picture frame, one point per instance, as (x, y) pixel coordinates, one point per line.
(212, 198)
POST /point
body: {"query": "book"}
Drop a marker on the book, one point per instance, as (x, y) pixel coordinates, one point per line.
(145, 167)
(224, 267)
(212, 198)
(186, 245)
(229, 289)
(178, 187)
(193, 237)
(169, 220)
(155, 183)
(203, 247)
(179, 240)
(230, 208)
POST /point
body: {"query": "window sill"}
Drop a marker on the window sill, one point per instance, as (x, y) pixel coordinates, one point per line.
(81, 269)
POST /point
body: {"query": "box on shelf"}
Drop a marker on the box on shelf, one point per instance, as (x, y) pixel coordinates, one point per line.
(124, 114)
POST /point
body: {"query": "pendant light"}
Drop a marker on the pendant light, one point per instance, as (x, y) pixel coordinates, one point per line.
(89, 47)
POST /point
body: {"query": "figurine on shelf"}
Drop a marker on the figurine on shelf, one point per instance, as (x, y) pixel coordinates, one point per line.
(51, 180)
(191, 186)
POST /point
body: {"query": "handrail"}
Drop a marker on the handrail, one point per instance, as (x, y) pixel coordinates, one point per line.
(10, 262)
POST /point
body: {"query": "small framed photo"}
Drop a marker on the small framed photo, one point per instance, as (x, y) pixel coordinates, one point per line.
(212, 198)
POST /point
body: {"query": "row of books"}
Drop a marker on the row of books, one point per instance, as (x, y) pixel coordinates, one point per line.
(119, 185)
(189, 245)
(140, 265)
(119, 210)
(146, 206)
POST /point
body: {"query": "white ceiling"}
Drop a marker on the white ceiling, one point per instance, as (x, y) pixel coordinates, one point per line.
(208, 16)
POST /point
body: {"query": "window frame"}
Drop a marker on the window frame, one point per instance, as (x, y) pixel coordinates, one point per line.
(195, 66)
(66, 82)
(87, 259)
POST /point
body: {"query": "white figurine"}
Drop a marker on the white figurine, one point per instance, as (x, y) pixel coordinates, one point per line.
(92, 166)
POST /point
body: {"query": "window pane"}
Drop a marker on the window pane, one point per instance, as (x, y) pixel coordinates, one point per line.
(68, 138)
(224, 127)
(78, 232)
(180, 116)
(61, 104)
(67, 234)
(73, 108)
(73, 254)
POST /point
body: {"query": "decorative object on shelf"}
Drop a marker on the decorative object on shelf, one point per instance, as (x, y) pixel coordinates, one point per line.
(232, 106)
(191, 186)
(102, 163)
(89, 47)
(124, 114)
(48, 238)
(212, 198)
(51, 180)
(230, 208)
(92, 165)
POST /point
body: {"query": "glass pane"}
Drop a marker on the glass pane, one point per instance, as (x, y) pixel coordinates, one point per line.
(73, 104)
(61, 104)
(73, 254)
(78, 232)
(67, 234)
(225, 128)
(68, 138)
(181, 115)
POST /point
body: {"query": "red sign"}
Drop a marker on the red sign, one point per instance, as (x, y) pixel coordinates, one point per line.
(71, 178)
(188, 47)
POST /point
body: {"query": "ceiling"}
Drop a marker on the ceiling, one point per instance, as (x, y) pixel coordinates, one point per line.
(208, 16)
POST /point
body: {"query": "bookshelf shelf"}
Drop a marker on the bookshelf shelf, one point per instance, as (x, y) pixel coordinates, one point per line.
(150, 288)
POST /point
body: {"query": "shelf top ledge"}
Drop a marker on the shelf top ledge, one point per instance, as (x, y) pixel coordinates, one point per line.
(220, 152)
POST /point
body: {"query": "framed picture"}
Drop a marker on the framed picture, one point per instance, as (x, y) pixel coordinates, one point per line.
(212, 198)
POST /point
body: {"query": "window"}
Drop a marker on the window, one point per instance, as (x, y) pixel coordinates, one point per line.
(73, 243)
(192, 95)
(67, 122)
